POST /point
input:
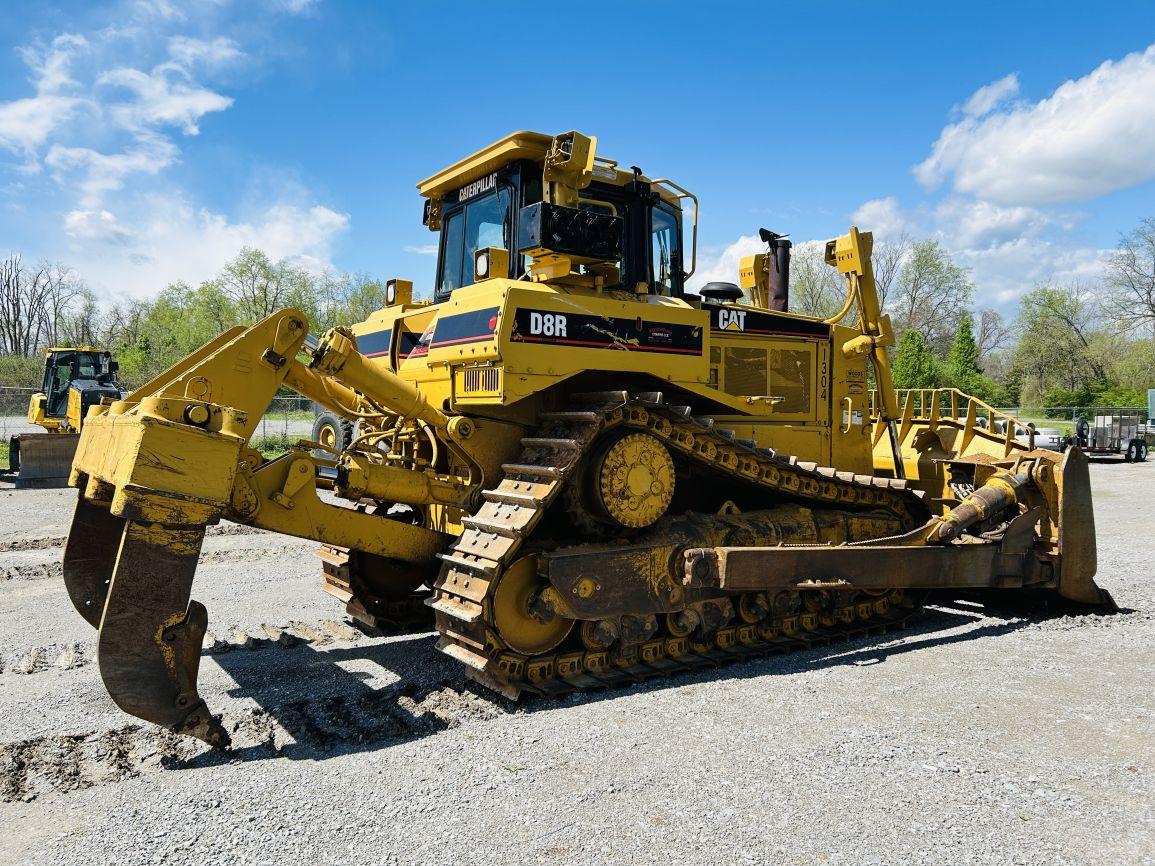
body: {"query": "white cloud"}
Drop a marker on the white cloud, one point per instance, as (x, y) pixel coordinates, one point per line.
(106, 172)
(723, 267)
(95, 225)
(968, 223)
(1090, 137)
(882, 216)
(422, 250)
(25, 124)
(217, 52)
(175, 240)
(1005, 272)
(164, 9)
(985, 99)
(163, 98)
(104, 114)
(296, 7)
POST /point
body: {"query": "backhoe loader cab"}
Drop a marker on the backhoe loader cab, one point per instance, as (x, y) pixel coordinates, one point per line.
(586, 475)
(75, 379)
(89, 371)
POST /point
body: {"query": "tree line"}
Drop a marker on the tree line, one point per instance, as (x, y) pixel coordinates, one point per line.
(49, 305)
(1070, 344)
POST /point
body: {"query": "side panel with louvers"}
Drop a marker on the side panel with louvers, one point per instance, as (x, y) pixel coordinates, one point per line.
(478, 382)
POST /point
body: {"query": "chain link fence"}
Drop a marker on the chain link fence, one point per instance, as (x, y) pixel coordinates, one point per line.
(287, 420)
(290, 418)
(13, 411)
(1064, 418)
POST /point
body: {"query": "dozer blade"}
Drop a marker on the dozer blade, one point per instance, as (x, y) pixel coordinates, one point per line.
(45, 459)
(1078, 555)
(149, 646)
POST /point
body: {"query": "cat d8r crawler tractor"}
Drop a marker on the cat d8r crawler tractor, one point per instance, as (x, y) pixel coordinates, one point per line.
(588, 475)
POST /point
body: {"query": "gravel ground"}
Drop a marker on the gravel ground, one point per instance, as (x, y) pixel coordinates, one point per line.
(971, 738)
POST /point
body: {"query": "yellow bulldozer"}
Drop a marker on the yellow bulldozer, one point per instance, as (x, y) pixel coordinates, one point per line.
(75, 378)
(588, 475)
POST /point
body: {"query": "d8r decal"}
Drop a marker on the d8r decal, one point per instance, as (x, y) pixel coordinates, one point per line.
(547, 324)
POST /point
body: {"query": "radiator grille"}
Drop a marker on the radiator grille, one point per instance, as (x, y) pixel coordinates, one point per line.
(480, 380)
(792, 377)
(744, 371)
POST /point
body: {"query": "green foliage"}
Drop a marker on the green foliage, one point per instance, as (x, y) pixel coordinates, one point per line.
(1058, 345)
(930, 294)
(962, 364)
(962, 368)
(915, 366)
(17, 371)
(1099, 392)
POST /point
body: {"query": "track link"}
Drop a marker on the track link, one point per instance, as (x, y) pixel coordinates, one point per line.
(497, 532)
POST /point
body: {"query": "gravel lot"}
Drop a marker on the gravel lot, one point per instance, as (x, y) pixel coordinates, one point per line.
(972, 738)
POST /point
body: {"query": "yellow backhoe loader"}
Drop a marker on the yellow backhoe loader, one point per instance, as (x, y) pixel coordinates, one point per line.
(587, 474)
(75, 379)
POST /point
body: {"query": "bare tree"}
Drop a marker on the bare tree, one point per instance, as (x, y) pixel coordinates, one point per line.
(888, 258)
(994, 333)
(259, 287)
(816, 289)
(930, 294)
(1131, 277)
(63, 290)
(23, 299)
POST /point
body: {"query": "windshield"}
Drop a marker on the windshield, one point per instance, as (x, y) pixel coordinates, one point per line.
(482, 223)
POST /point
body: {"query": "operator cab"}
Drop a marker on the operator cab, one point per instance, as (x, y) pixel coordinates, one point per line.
(486, 201)
(63, 367)
(75, 379)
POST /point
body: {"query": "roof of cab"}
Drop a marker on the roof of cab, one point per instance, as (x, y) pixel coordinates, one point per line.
(519, 145)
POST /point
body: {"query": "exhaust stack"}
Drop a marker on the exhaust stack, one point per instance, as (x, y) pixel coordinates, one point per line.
(778, 270)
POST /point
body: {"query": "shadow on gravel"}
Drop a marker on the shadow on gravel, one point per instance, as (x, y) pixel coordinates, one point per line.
(339, 712)
(310, 707)
(343, 714)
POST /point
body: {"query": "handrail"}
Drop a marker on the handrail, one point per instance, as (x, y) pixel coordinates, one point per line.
(950, 406)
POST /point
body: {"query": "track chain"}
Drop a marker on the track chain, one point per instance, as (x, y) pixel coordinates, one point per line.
(496, 533)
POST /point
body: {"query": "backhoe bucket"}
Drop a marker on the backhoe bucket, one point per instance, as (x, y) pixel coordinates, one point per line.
(132, 581)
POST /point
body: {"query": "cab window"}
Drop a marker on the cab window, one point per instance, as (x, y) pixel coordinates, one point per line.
(87, 366)
(483, 222)
(664, 251)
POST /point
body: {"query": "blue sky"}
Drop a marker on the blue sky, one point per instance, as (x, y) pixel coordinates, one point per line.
(145, 141)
